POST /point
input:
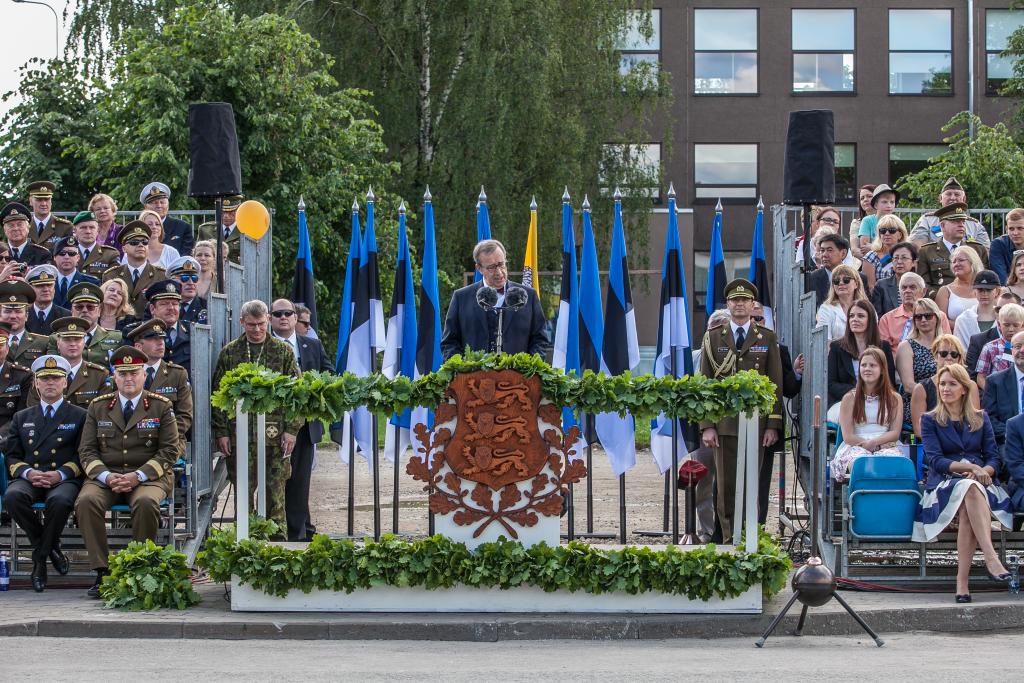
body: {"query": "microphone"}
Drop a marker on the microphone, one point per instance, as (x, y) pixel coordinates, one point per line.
(515, 298)
(487, 297)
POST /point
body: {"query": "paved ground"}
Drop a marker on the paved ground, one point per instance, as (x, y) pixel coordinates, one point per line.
(907, 657)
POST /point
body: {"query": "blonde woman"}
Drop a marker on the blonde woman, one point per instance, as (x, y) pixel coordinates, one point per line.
(956, 297)
(878, 260)
(205, 252)
(104, 208)
(846, 288)
(158, 254)
(116, 311)
(914, 360)
(946, 350)
(963, 461)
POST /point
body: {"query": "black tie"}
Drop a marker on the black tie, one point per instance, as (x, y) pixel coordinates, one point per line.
(42, 225)
(41, 317)
(16, 254)
(135, 277)
(63, 292)
(128, 410)
(85, 256)
(740, 338)
(49, 412)
(88, 339)
(149, 377)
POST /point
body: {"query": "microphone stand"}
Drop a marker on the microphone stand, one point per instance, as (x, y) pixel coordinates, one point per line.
(501, 318)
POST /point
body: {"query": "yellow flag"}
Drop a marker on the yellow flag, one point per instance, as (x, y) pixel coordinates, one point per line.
(531, 273)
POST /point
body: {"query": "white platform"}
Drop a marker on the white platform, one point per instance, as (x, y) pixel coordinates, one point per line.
(463, 599)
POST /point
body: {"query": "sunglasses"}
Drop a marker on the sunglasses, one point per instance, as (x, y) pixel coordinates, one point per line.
(887, 231)
(137, 243)
(757, 318)
(923, 316)
(6, 258)
(955, 355)
(283, 314)
(189, 278)
(842, 280)
(68, 254)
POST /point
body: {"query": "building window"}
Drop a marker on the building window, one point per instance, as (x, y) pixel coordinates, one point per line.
(725, 171)
(634, 169)
(823, 48)
(725, 51)
(999, 26)
(737, 264)
(635, 48)
(846, 174)
(920, 52)
(907, 159)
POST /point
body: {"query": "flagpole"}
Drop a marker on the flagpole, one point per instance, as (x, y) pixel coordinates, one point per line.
(428, 199)
(351, 430)
(374, 445)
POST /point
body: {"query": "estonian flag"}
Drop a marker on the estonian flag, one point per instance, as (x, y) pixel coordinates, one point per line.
(620, 350)
(483, 225)
(531, 270)
(400, 345)
(759, 268)
(428, 342)
(339, 430)
(714, 297)
(591, 322)
(304, 288)
(566, 355)
(673, 336)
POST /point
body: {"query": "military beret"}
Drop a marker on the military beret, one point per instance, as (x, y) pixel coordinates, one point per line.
(154, 327)
(40, 188)
(65, 242)
(957, 211)
(127, 358)
(44, 274)
(133, 230)
(154, 191)
(85, 291)
(14, 211)
(83, 216)
(70, 326)
(51, 365)
(740, 288)
(165, 289)
(16, 293)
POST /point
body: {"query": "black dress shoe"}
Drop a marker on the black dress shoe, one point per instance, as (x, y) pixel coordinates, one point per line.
(60, 561)
(963, 598)
(1002, 578)
(94, 591)
(39, 576)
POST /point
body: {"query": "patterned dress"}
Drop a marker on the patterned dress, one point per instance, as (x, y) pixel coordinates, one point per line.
(924, 367)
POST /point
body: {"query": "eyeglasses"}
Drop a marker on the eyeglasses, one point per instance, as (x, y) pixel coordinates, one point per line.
(902, 257)
(495, 267)
(757, 318)
(137, 243)
(283, 314)
(888, 231)
(845, 280)
(829, 221)
(84, 307)
(189, 278)
(68, 254)
(955, 355)
(923, 316)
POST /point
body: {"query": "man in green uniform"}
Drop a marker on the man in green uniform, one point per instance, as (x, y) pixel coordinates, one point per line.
(138, 273)
(86, 380)
(933, 259)
(256, 346)
(15, 298)
(129, 445)
(727, 349)
(15, 382)
(232, 235)
(164, 377)
(85, 298)
(46, 228)
(96, 259)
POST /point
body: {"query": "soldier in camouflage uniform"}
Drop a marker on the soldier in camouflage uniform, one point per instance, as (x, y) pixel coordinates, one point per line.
(257, 346)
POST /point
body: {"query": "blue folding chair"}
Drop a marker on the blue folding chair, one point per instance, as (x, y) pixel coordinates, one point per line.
(883, 497)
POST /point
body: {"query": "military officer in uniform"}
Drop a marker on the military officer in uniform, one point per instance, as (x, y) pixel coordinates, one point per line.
(129, 445)
(164, 377)
(15, 382)
(66, 257)
(85, 299)
(96, 259)
(229, 228)
(256, 346)
(46, 227)
(933, 259)
(44, 310)
(16, 229)
(42, 459)
(165, 304)
(137, 272)
(730, 348)
(15, 298)
(186, 271)
(86, 380)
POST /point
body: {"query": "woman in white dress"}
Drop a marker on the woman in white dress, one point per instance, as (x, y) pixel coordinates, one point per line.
(846, 288)
(870, 415)
(956, 297)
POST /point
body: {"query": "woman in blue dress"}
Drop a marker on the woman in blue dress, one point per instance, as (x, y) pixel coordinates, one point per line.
(962, 457)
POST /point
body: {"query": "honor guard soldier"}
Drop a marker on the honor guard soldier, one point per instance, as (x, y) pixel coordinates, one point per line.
(15, 217)
(15, 382)
(138, 273)
(86, 380)
(96, 259)
(46, 228)
(164, 377)
(85, 298)
(186, 271)
(43, 311)
(165, 304)
(42, 458)
(933, 259)
(16, 296)
(739, 345)
(129, 445)
(66, 258)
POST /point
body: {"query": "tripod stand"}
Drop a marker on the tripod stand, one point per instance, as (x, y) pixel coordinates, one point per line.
(814, 584)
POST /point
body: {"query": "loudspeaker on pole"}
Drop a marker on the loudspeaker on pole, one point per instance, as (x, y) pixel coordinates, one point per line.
(214, 167)
(810, 158)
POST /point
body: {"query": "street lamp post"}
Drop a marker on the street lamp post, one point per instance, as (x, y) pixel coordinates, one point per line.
(56, 23)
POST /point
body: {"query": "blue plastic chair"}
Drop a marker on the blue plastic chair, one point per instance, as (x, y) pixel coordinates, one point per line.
(883, 497)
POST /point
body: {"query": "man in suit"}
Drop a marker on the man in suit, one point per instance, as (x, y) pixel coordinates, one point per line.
(16, 229)
(129, 445)
(1000, 252)
(832, 251)
(163, 377)
(46, 227)
(1004, 390)
(1013, 461)
(165, 304)
(86, 380)
(96, 258)
(137, 271)
(16, 382)
(42, 458)
(185, 271)
(177, 233)
(66, 257)
(16, 296)
(467, 324)
(43, 311)
(310, 355)
(739, 345)
(85, 298)
(886, 294)
(933, 259)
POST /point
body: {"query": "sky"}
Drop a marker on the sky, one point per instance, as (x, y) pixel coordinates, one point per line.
(28, 33)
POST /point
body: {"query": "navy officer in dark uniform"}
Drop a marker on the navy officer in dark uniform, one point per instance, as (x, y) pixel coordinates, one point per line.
(42, 461)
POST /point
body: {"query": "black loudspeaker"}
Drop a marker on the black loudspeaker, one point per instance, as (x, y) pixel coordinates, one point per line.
(214, 169)
(810, 158)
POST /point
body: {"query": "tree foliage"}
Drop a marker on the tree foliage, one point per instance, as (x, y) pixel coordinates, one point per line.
(988, 165)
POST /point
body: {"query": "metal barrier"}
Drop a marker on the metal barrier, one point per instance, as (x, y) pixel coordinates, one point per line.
(994, 220)
(234, 276)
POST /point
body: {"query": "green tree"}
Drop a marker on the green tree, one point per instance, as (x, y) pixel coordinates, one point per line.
(988, 165)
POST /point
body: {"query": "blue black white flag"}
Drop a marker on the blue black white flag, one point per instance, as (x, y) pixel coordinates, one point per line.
(428, 341)
(714, 297)
(304, 286)
(759, 267)
(400, 345)
(483, 225)
(591, 320)
(339, 431)
(566, 355)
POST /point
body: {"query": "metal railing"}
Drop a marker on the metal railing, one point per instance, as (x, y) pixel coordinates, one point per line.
(994, 220)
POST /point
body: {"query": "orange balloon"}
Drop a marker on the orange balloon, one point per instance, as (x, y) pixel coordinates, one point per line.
(253, 219)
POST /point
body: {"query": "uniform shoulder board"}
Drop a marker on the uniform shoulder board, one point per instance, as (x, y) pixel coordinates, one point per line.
(718, 324)
(32, 336)
(156, 397)
(111, 269)
(58, 219)
(96, 366)
(174, 366)
(15, 366)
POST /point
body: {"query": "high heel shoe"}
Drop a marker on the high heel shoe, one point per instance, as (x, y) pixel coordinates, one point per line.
(963, 598)
(1001, 578)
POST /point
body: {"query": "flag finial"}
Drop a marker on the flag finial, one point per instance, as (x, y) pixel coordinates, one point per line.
(565, 195)
(760, 203)
(369, 195)
(401, 208)
(302, 203)
(586, 203)
(533, 203)
(618, 194)
(671, 190)
(483, 196)
(426, 195)
(718, 206)
(355, 205)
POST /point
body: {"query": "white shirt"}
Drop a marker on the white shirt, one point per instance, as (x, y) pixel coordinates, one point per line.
(735, 328)
(43, 405)
(36, 220)
(102, 476)
(45, 311)
(1020, 378)
(74, 372)
(950, 246)
(292, 341)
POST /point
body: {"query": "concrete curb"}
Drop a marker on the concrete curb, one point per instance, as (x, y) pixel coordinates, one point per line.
(492, 628)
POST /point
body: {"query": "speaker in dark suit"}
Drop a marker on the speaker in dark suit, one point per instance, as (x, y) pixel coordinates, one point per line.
(1013, 461)
(177, 233)
(467, 324)
(1001, 399)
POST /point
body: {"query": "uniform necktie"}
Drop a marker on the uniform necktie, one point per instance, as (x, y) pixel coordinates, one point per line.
(135, 277)
(88, 339)
(14, 344)
(128, 410)
(741, 337)
(41, 317)
(85, 255)
(49, 412)
(63, 290)
(42, 226)
(150, 372)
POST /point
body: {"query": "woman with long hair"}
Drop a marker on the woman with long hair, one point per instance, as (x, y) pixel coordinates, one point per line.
(864, 209)
(871, 415)
(878, 259)
(946, 350)
(956, 297)
(1015, 280)
(844, 354)
(963, 461)
(205, 251)
(845, 289)
(116, 311)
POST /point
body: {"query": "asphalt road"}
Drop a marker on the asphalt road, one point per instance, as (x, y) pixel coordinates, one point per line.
(905, 657)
